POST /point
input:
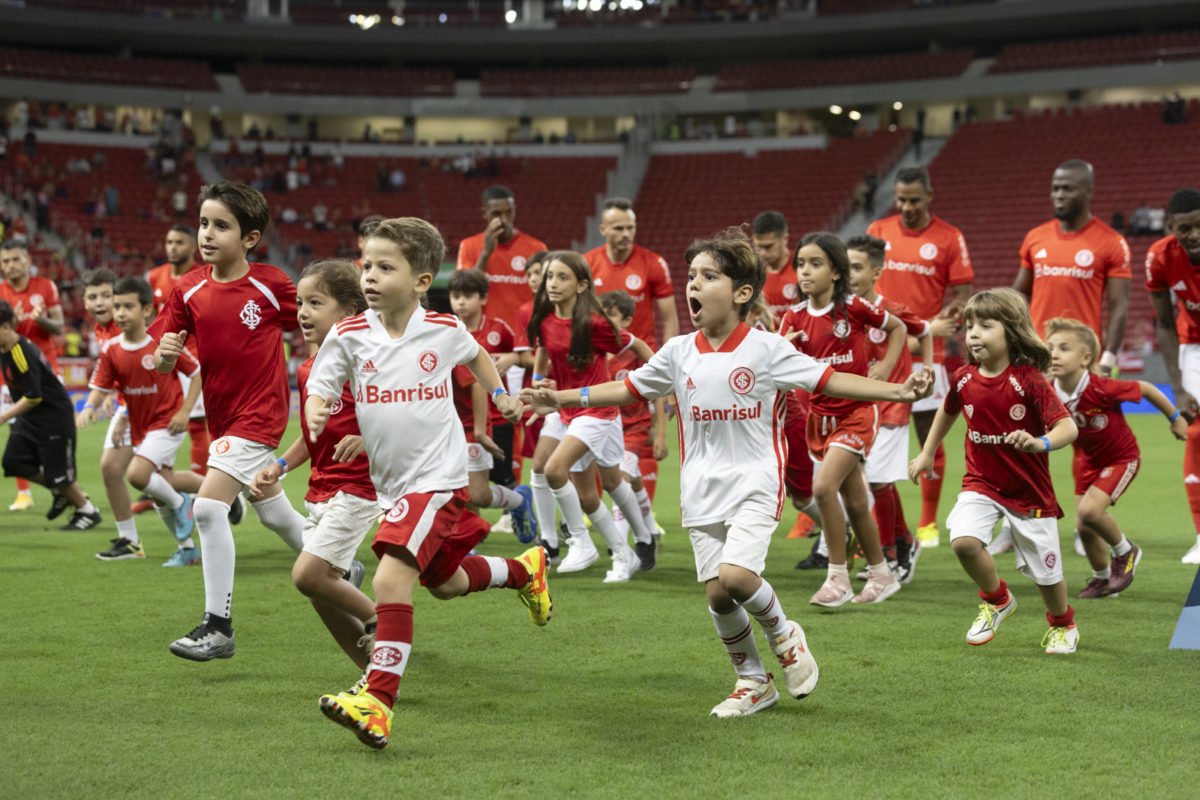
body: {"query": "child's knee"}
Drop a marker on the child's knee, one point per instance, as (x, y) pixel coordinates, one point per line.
(966, 546)
(1090, 513)
(209, 512)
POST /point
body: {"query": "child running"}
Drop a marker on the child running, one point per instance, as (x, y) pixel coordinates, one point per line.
(1107, 457)
(572, 336)
(341, 498)
(237, 310)
(1014, 419)
(830, 324)
(398, 358)
(730, 381)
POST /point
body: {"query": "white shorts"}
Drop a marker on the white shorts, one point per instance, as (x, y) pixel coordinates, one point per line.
(741, 541)
(198, 409)
(159, 447)
(605, 440)
(126, 439)
(514, 378)
(337, 526)
(941, 387)
(478, 458)
(239, 458)
(1189, 368)
(888, 460)
(630, 465)
(1035, 539)
(553, 427)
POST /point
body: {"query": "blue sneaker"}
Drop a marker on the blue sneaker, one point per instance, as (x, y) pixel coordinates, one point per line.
(185, 522)
(523, 518)
(183, 557)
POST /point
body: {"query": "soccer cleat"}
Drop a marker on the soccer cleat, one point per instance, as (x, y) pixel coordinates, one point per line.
(624, 566)
(987, 622)
(877, 590)
(141, 505)
(504, 524)
(800, 670)
(1002, 542)
(523, 519)
(748, 697)
(204, 644)
(581, 554)
(122, 549)
(82, 521)
(816, 559)
(362, 713)
(356, 573)
(908, 565)
(1061, 641)
(833, 593)
(552, 553)
(1192, 556)
(928, 535)
(366, 643)
(1123, 568)
(1096, 588)
(647, 554)
(183, 557)
(1079, 551)
(22, 502)
(58, 504)
(803, 527)
(237, 510)
(185, 521)
(536, 594)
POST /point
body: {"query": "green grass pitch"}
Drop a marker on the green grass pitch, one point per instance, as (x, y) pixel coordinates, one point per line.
(611, 698)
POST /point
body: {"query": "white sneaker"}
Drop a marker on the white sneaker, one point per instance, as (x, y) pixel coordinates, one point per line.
(1002, 542)
(1079, 551)
(625, 566)
(799, 667)
(580, 555)
(1061, 641)
(833, 593)
(748, 697)
(504, 524)
(877, 590)
(987, 622)
(1192, 556)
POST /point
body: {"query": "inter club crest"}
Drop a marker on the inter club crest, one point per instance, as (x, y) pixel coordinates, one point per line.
(251, 315)
(741, 380)
(427, 362)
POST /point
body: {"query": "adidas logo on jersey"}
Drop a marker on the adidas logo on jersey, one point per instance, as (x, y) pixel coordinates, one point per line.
(1181, 286)
(1041, 253)
(368, 368)
(691, 387)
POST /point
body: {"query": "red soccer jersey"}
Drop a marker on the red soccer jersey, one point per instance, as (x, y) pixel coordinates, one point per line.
(328, 477)
(462, 381)
(495, 336)
(507, 288)
(836, 338)
(644, 275)
(780, 291)
(556, 340)
(1018, 399)
(152, 397)
(636, 414)
(895, 413)
(1070, 271)
(921, 265)
(162, 282)
(38, 293)
(521, 328)
(238, 328)
(1104, 434)
(1169, 269)
(102, 333)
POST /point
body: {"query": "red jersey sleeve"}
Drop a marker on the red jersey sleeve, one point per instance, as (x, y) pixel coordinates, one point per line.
(285, 292)
(960, 262)
(1117, 265)
(866, 314)
(103, 376)
(660, 279)
(1117, 391)
(186, 364)
(605, 339)
(468, 254)
(874, 229)
(1026, 249)
(1156, 270)
(1045, 399)
(508, 337)
(953, 402)
(913, 325)
(51, 295)
(175, 318)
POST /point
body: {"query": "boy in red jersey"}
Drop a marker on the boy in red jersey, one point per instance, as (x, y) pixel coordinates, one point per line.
(1106, 453)
(237, 311)
(1174, 283)
(157, 412)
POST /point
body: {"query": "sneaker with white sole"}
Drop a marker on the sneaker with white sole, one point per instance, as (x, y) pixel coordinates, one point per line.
(988, 620)
(877, 590)
(183, 557)
(1192, 556)
(504, 524)
(1061, 641)
(908, 565)
(748, 697)
(122, 549)
(204, 643)
(185, 521)
(626, 564)
(83, 521)
(833, 593)
(581, 554)
(800, 670)
(1123, 568)
(929, 535)
(1002, 542)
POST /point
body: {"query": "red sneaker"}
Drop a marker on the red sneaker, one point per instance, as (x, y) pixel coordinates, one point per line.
(1123, 568)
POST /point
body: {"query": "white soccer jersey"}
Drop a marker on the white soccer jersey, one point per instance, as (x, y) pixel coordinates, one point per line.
(732, 450)
(402, 397)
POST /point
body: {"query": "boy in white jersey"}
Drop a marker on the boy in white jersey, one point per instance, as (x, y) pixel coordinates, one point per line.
(398, 358)
(730, 381)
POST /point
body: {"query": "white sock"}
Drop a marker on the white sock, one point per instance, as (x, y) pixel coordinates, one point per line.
(620, 521)
(764, 605)
(602, 521)
(188, 542)
(1102, 574)
(503, 497)
(737, 634)
(499, 567)
(813, 511)
(543, 508)
(822, 546)
(881, 571)
(127, 529)
(624, 498)
(1122, 547)
(277, 514)
(162, 492)
(212, 520)
(647, 507)
(838, 571)
(87, 508)
(568, 502)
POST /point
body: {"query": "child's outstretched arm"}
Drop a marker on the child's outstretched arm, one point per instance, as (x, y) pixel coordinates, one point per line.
(1160, 401)
(546, 401)
(87, 414)
(942, 423)
(1061, 434)
(294, 456)
(856, 387)
(484, 370)
(897, 341)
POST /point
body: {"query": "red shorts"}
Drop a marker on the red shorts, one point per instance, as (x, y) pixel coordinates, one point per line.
(529, 437)
(638, 440)
(1113, 480)
(854, 432)
(798, 474)
(436, 528)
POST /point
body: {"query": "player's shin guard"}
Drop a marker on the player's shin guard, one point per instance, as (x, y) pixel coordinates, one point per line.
(931, 489)
(277, 514)
(216, 542)
(393, 644)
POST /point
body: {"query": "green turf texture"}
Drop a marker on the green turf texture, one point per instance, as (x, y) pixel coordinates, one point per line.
(611, 698)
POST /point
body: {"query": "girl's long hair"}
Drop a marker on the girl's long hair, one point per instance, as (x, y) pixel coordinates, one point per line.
(586, 305)
(338, 278)
(1008, 307)
(839, 261)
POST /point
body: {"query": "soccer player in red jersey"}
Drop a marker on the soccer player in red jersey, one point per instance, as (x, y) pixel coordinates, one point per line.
(830, 324)
(157, 413)
(1014, 419)
(1173, 278)
(926, 257)
(237, 311)
(1106, 453)
(1074, 263)
(770, 231)
(620, 263)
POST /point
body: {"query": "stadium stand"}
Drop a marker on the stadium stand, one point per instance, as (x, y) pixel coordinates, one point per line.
(832, 7)
(584, 81)
(335, 80)
(841, 71)
(1099, 51)
(213, 9)
(51, 65)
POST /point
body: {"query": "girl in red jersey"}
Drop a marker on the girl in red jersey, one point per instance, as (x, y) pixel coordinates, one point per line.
(1014, 419)
(341, 498)
(1106, 453)
(572, 336)
(830, 324)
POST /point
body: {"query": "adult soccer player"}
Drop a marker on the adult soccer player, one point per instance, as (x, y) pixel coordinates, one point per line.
(770, 231)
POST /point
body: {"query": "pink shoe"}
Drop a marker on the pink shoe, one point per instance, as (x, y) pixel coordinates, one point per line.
(833, 593)
(877, 590)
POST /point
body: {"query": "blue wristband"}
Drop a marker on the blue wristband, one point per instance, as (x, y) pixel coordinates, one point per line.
(1045, 441)
(92, 407)
(282, 462)
(1174, 416)
(584, 400)
(499, 390)
(537, 377)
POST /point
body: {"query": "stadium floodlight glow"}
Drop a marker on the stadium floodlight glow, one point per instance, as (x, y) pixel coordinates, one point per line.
(581, 5)
(354, 19)
(835, 109)
(397, 20)
(855, 115)
(896, 106)
(510, 16)
(596, 5)
(366, 21)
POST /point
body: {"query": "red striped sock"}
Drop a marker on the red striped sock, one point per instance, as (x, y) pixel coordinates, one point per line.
(487, 572)
(393, 644)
